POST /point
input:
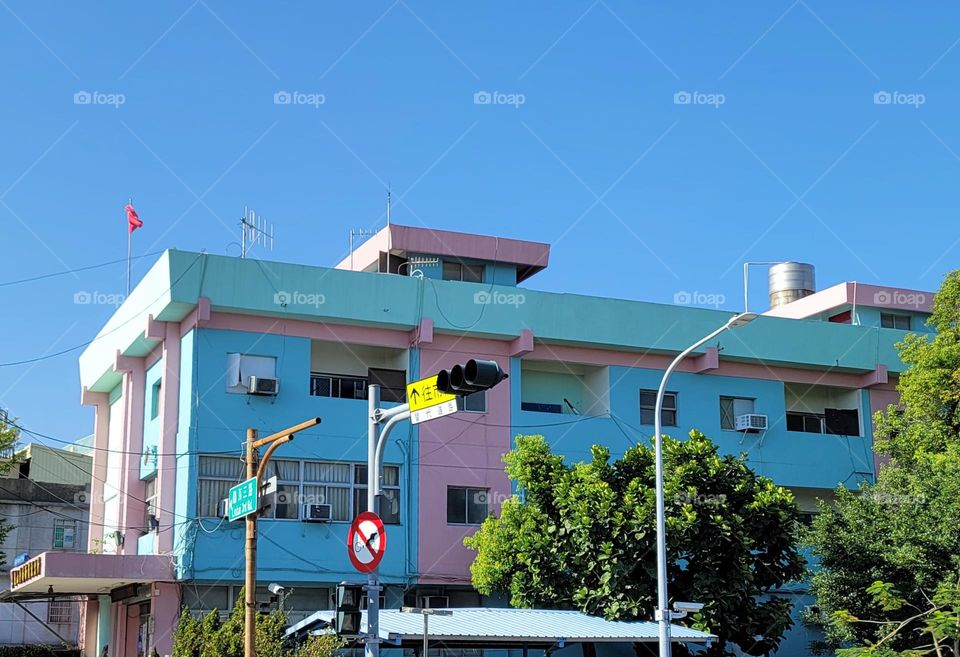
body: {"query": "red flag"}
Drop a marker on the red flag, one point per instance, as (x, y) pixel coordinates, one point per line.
(133, 219)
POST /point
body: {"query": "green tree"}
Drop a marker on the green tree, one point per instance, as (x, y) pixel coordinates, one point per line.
(583, 536)
(900, 536)
(9, 437)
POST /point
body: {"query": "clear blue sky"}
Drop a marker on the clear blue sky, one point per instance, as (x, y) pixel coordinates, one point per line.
(641, 197)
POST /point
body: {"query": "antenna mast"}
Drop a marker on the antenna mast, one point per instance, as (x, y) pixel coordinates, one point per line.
(254, 231)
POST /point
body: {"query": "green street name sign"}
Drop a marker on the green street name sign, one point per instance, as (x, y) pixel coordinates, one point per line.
(242, 500)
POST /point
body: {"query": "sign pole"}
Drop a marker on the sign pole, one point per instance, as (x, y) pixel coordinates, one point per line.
(250, 581)
(372, 645)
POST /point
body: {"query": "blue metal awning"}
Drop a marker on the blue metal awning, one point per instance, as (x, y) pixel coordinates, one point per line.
(512, 626)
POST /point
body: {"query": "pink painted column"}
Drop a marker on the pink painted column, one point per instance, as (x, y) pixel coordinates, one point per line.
(880, 398)
(101, 428)
(132, 507)
(169, 421)
(166, 612)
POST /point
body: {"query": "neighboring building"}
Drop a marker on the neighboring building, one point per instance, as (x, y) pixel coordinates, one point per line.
(44, 499)
(169, 377)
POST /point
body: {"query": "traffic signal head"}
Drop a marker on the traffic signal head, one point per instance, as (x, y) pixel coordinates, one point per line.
(474, 376)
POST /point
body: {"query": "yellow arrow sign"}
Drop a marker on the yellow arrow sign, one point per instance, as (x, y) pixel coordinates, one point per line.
(424, 394)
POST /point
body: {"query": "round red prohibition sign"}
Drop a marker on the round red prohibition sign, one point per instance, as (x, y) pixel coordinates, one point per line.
(366, 542)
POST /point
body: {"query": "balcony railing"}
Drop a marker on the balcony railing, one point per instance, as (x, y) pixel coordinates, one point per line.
(334, 385)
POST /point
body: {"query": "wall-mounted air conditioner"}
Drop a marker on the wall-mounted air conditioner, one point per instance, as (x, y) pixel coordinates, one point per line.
(751, 422)
(263, 386)
(316, 513)
(223, 509)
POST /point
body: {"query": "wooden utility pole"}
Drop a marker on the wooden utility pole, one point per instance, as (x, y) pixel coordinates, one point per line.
(256, 469)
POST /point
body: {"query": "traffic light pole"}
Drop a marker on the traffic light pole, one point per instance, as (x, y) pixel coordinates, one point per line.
(380, 422)
(256, 468)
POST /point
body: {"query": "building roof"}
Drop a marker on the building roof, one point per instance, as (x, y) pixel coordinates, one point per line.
(530, 257)
(511, 626)
(852, 293)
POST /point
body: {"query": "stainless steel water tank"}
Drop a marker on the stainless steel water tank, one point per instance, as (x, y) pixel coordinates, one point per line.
(790, 281)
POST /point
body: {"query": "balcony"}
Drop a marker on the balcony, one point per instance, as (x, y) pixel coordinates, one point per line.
(343, 371)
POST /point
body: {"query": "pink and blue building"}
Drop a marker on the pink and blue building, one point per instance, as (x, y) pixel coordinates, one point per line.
(168, 376)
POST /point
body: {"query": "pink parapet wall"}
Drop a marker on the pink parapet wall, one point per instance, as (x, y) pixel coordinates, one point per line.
(465, 450)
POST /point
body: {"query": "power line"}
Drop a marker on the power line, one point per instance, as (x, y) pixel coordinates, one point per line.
(64, 272)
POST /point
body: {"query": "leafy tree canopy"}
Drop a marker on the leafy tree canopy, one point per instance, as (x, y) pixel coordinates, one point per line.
(583, 536)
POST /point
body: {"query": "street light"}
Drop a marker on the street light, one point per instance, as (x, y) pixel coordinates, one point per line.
(427, 613)
(662, 614)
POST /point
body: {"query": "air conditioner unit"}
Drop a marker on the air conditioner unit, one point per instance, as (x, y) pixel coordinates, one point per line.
(223, 509)
(434, 601)
(263, 386)
(751, 422)
(316, 513)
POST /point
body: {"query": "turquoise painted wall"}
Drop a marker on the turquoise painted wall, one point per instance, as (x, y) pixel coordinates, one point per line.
(151, 420)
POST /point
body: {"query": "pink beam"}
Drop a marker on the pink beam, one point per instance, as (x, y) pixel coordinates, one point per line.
(199, 314)
(522, 344)
(423, 334)
(169, 421)
(708, 360)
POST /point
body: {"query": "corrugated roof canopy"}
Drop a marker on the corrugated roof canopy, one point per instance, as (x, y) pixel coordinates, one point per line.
(481, 625)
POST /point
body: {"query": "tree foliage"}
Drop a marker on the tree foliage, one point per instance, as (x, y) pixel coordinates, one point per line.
(9, 437)
(890, 552)
(208, 637)
(583, 536)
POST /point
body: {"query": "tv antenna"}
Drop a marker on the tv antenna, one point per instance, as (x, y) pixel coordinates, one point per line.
(254, 231)
(357, 235)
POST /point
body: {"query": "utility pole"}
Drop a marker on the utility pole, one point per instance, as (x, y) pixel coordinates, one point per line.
(256, 468)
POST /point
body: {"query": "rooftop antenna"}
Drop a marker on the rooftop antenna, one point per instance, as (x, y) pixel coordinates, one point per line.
(357, 235)
(388, 205)
(254, 231)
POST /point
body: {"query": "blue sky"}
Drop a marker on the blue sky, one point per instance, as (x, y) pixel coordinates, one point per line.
(785, 150)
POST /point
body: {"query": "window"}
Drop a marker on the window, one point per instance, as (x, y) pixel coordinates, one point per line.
(889, 320)
(731, 408)
(668, 413)
(840, 318)
(64, 534)
(240, 367)
(150, 497)
(334, 385)
(467, 506)
(389, 503)
(805, 422)
(393, 383)
(341, 485)
(60, 612)
(461, 271)
(476, 402)
(155, 401)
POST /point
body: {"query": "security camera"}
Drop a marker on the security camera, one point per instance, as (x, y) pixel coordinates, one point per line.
(681, 609)
(276, 589)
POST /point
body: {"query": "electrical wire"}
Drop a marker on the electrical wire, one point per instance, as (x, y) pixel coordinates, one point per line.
(64, 272)
(135, 316)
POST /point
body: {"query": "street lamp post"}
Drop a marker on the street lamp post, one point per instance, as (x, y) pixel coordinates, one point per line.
(662, 614)
(427, 613)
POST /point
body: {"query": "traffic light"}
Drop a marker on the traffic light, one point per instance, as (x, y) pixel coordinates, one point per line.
(474, 376)
(346, 622)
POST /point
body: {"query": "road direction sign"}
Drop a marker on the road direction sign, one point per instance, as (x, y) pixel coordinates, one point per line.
(366, 542)
(428, 403)
(242, 500)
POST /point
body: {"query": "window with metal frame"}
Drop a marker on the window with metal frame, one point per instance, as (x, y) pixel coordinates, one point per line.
(338, 386)
(467, 506)
(731, 408)
(64, 534)
(60, 612)
(462, 271)
(150, 510)
(668, 412)
(894, 321)
(389, 503)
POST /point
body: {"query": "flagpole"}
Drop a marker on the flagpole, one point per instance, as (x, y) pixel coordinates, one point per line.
(129, 245)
